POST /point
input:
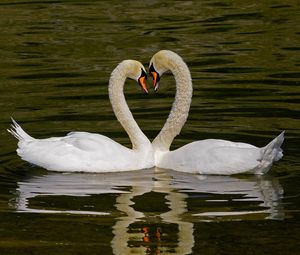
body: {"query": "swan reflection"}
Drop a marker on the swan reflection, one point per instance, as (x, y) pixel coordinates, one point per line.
(179, 200)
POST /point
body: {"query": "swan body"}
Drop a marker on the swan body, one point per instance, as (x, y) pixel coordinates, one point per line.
(221, 157)
(89, 152)
(209, 156)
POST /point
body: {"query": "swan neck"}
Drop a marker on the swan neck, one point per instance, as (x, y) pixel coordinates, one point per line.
(181, 105)
(121, 109)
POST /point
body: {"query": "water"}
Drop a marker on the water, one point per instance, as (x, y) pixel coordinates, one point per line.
(56, 58)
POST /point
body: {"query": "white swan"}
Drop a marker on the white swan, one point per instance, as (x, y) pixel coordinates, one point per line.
(206, 156)
(87, 152)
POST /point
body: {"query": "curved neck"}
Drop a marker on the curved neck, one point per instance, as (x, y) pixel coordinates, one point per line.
(121, 109)
(181, 106)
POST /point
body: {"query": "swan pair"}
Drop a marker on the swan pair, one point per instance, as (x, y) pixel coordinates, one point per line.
(87, 152)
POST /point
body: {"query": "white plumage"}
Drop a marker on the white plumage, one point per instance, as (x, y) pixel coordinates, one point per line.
(88, 152)
(222, 157)
(206, 156)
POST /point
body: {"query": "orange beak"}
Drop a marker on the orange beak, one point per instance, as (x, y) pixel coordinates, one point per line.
(154, 76)
(142, 83)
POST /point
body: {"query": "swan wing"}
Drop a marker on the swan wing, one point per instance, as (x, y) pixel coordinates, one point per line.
(213, 157)
(223, 157)
(78, 151)
(91, 142)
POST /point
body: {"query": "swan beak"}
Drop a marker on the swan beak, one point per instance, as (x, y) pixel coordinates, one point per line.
(155, 77)
(142, 83)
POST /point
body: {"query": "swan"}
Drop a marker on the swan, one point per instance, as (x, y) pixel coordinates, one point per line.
(89, 152)
(209, 156)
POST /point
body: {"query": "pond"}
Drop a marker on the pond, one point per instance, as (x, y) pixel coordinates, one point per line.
(56, 60)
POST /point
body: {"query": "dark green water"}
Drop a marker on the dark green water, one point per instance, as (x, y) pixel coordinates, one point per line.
(56, 58)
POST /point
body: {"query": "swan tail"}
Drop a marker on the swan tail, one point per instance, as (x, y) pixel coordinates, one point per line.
(18, 132)
(271, 153)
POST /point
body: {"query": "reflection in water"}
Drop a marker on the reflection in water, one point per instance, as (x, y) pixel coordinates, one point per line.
(120, 230)
(265, 190)
(187, 197)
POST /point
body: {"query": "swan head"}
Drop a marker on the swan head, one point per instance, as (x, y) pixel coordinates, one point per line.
(136, 71)
(159, 64)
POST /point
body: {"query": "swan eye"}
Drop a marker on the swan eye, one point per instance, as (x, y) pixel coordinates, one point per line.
(151, 69)
(144, 74)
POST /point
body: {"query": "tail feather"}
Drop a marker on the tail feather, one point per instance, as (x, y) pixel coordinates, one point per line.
(273, 151)
(18, 132)
(270, 153)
